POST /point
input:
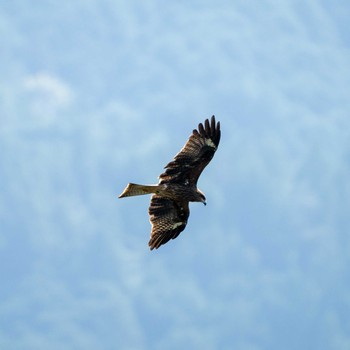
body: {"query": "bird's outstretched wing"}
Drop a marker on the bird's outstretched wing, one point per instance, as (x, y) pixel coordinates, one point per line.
(189, 163)
(168, 219)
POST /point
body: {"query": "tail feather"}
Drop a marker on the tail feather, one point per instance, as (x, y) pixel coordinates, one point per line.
(138, 190)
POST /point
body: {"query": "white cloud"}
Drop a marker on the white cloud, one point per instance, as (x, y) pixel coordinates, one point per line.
(50, 87)
(45, 94)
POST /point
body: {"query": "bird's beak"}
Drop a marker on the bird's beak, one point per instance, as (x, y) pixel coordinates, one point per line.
(205, 203)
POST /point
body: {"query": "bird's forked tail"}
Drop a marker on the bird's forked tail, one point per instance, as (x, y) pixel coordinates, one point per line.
(138, 190)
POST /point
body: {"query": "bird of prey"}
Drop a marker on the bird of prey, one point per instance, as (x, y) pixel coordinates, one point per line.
(177, 186)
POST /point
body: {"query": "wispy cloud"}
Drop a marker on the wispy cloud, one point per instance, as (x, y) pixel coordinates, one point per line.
(109, 96)
(46, 95)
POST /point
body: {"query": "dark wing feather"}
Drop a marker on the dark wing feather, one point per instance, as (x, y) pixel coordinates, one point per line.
(189, 163)
(168, 219)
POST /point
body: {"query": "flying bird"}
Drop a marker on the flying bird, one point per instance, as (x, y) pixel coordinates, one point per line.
(177, 186)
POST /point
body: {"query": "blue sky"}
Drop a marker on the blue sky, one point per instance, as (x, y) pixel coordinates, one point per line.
(96, 94)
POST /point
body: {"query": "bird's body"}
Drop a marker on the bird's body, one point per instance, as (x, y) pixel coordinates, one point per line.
(169, 209)
(177, 192)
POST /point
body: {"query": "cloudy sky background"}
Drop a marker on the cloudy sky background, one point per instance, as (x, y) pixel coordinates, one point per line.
(94, 94)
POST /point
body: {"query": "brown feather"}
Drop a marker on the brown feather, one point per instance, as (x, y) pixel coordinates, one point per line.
(138, 190)
(168, 219)
(195, 155)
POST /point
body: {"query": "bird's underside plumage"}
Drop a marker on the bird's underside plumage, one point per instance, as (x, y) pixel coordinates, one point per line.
(177, 186)
(168, 219)
(198, 151)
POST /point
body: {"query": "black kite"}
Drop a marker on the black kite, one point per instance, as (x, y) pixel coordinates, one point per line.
(177, 186)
